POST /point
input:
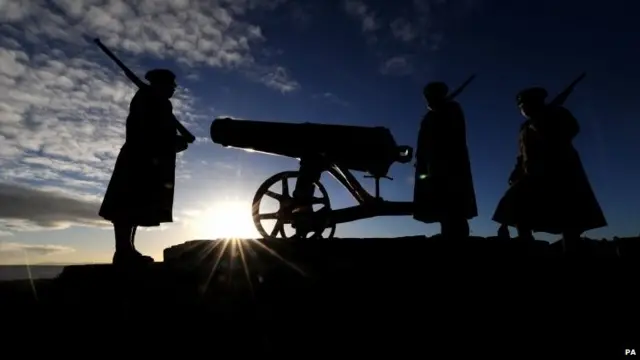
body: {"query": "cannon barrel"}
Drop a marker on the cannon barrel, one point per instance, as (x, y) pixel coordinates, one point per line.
(359, 148)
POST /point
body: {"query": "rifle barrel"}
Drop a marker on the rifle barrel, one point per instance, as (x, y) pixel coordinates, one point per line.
(562, 97)
(139, 83)
(461, 87)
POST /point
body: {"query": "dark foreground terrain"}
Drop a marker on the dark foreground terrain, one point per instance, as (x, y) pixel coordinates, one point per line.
(349, 297)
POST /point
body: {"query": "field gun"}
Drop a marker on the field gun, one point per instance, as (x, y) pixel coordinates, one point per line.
(344, 148)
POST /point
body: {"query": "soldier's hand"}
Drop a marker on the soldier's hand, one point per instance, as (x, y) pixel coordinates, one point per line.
(516, 174)
(514, 178)
(181, 144)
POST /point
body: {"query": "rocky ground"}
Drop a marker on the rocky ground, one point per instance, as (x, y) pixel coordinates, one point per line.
(413, 294)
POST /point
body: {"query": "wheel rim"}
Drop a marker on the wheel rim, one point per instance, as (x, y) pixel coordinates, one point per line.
(281, 218)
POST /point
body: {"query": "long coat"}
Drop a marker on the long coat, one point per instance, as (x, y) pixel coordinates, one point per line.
(443, 181)
(142, 184)
(550, 191)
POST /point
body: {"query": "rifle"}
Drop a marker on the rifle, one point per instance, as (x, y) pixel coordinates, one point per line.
(141, 84)
(461, 87)
(562, 97)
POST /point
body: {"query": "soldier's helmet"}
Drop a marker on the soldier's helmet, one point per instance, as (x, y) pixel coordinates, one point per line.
(531, 95)
(160, 76)
(436, 90)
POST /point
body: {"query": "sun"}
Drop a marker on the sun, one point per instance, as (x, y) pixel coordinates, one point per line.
(226, 220)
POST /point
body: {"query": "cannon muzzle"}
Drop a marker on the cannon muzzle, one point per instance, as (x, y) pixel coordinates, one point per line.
(359, 148)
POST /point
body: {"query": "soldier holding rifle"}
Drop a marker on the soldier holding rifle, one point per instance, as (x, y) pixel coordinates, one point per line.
(443, 190)
(141, 189)
(549, 189)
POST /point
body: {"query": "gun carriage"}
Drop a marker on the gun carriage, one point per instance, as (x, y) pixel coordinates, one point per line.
(344, 149)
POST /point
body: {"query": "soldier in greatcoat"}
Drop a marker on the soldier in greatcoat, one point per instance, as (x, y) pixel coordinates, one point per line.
(549, 189)
(141, 189)
(444, 190)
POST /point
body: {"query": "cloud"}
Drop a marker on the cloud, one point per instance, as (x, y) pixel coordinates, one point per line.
(425, 26)
(399, 28)
(24, 208)
(301, 13)
(192, 32)
(276, 78)
(430, 20)
(359, 10)
(416, 27)
(332, 98)
(12, 250)
(397, 65)
(403, 30)
(63, 103)
(61, 127)
(223, 116)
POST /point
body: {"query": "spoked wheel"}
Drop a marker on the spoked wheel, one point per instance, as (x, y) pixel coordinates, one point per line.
(278, 219)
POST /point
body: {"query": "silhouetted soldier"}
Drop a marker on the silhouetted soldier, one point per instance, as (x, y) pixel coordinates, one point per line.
(549, 190)
(444, 189)
(141, 189)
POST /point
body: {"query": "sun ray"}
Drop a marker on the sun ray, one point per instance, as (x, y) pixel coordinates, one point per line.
(245, 266)
(216, 264)
(277, 256)
(227, 224)
(202, 256)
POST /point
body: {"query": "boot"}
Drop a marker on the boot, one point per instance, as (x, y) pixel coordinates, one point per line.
(130, 258)
(503, 233)
(525, 234)
(141, 258)
(457, 229)
(570, 241)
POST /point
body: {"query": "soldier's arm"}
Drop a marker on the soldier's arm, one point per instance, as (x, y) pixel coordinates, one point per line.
(422, 144)
(144, 111)
(181, 143)
(135, 120)
(460, 126)
(565, 125)
(519, 169)
(454, 138)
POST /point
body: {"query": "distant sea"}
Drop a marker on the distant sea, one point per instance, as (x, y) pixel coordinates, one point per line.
(24, 272)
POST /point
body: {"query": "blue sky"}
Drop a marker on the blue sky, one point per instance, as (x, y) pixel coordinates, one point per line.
(357, 62)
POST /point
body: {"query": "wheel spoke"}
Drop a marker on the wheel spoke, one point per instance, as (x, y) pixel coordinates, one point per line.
(271, 194)
(283, 216)
(269, 216)
(279, 227)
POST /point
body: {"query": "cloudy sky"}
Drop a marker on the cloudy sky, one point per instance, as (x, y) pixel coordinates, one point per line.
(361, 62)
